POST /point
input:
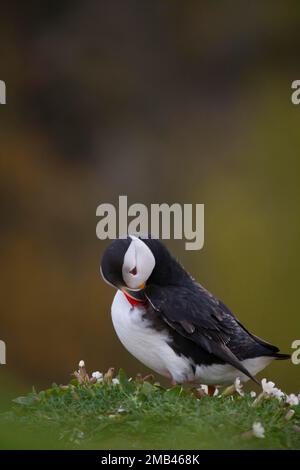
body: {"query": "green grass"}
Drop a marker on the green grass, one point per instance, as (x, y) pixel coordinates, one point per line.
(139, 415)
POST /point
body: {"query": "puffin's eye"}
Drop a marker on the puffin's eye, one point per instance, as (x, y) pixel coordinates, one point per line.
(133, 271)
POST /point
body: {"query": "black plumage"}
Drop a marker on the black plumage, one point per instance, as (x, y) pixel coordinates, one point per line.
(201, 326)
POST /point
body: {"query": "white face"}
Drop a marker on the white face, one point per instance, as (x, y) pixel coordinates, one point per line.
(138, 264)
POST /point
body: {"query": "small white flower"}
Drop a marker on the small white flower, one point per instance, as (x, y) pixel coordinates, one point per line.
(98, 376)
(277, 393)
(270, 389)
(216, 392)
(252, 394)
(81, 364)
(267, 386)
(238, 386)
(115, 381)
(258, 430)
(292, 400)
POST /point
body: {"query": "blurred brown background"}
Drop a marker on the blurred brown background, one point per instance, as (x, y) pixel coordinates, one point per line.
(165, 102)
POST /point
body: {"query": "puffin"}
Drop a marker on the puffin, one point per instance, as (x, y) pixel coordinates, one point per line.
(172, 324)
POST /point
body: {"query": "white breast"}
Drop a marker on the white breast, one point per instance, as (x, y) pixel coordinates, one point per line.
(146, 344)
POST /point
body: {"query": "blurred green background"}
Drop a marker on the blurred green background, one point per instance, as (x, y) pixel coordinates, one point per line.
(164, 102)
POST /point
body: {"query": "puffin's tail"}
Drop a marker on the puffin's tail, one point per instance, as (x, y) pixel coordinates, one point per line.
(281, 357)
(270, 349)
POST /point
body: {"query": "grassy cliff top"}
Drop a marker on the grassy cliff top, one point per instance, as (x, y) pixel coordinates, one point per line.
(107, 412)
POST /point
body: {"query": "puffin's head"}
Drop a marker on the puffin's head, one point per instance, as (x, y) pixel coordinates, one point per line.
(127, 264)
(132, 263)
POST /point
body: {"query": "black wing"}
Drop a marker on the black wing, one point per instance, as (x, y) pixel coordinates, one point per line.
(199, 316)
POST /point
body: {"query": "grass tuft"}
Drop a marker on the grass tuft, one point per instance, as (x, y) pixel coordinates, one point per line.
(120, 413)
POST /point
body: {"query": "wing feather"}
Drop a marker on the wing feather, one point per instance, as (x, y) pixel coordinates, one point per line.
(197, 315)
